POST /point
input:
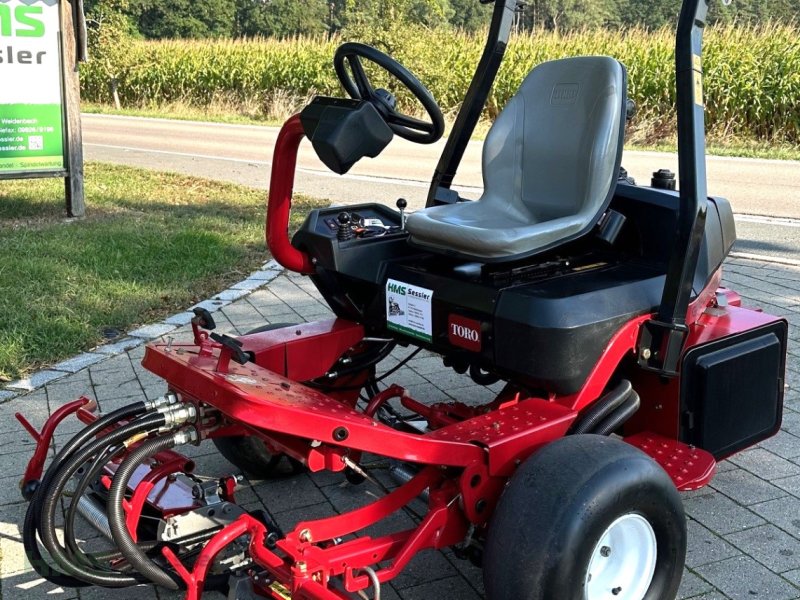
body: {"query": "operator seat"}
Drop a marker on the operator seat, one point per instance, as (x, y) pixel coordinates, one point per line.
(550, 166)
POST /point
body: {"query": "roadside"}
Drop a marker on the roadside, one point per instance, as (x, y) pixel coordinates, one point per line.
(735, 147)
(152, 243)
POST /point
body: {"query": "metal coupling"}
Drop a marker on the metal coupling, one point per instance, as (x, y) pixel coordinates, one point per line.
(167, 399)
(176, 416)
(186, 436)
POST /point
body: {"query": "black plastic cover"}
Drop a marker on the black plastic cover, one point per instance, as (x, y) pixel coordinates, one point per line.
(344, 131)
(732, 390)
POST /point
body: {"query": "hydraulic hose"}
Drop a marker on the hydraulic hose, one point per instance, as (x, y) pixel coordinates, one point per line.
(618, 418)
(88, 477)
(116, 514)
(603, 408)
(52, 495)
(32, 523)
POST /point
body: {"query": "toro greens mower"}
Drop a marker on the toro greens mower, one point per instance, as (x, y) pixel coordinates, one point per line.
(623, 371)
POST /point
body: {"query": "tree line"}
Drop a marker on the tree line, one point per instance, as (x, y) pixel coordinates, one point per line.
(155, 19)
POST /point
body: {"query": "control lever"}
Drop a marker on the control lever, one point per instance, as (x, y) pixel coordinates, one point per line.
(401, 206)
(235, 346)
(345, 231)
(202, 318)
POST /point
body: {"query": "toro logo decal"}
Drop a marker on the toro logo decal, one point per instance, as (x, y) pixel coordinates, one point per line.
(464, 332)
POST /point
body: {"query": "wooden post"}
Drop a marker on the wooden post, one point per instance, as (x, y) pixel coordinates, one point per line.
(75, 193)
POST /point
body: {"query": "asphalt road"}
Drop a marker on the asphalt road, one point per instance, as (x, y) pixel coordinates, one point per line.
(765, 194)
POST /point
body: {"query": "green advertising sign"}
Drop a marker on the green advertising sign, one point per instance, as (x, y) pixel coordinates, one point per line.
(31, 100)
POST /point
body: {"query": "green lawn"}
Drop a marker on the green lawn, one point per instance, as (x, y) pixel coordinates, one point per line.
(151, 245)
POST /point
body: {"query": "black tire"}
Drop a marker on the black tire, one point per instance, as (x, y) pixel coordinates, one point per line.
(250, 453)
(561, 501)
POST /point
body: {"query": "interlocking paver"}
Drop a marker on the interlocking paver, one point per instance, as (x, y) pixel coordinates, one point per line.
(773, 548)
(745, 488)
(765, 464)
(720, 514)
(742, 578)
(692, 585)
(743, 538)
(706, 546)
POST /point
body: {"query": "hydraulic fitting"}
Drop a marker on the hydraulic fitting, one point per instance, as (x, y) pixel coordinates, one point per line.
(186, 436)
(176, 416)
(167, 399)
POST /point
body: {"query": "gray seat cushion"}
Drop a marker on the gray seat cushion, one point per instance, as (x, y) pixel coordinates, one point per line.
(550, 165)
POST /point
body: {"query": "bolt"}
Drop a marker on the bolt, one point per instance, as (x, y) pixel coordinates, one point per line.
(302, 567)
(605, 551)
(616, 591)
(646, 354)
(305, 535)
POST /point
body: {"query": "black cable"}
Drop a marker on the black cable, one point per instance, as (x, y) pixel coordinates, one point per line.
(53, 494)
(388, 373)
(31, 525)
(398, 366)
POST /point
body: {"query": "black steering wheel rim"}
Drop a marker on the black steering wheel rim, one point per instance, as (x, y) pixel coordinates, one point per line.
(359, 87)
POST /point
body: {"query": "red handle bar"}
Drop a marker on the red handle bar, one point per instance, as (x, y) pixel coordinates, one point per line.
(280, 199)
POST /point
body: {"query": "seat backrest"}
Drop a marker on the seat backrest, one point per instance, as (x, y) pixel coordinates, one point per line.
(556, 148)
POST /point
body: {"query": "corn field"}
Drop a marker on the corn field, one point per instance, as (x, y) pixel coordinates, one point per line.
(752, 74)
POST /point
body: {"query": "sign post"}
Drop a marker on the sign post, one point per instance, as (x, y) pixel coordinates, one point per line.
(40, 133)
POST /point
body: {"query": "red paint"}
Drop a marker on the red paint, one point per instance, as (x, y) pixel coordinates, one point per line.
(33, 472)
(143, 489)
(279, 204)
(464, 332)
(689, 468)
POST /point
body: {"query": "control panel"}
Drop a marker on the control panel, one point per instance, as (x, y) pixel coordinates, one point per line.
(355, 239)
(359, 222)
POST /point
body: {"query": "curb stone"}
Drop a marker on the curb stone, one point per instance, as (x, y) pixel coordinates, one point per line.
(269, 271)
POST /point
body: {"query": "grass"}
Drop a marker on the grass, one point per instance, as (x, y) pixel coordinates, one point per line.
(184, 112)
(152, 244)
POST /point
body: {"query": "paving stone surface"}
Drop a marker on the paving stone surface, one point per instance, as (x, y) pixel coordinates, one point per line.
(744, 529)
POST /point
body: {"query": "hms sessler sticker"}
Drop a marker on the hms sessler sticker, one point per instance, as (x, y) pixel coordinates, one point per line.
(408, 310)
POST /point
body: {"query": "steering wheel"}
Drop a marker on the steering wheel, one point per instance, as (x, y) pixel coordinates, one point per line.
(359, 87)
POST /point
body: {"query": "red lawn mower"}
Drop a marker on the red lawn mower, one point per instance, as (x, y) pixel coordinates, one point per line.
(593, 305)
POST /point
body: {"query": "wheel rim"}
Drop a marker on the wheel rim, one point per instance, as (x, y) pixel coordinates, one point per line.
(623, 562)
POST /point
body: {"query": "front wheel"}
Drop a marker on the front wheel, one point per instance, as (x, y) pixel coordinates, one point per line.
(587, 518)
(250, 453)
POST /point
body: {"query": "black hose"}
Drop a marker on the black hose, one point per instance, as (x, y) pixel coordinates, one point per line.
(32, 523)
(602, 408)
(370, 361)
(53, 494)
(618, 418)
(86, 480)
(116, 514)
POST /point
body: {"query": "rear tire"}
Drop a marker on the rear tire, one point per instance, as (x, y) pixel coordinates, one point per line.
(250, 453)
(587, 518)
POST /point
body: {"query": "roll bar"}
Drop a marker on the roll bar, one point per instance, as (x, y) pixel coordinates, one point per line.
(662, 338)
(474, 101)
